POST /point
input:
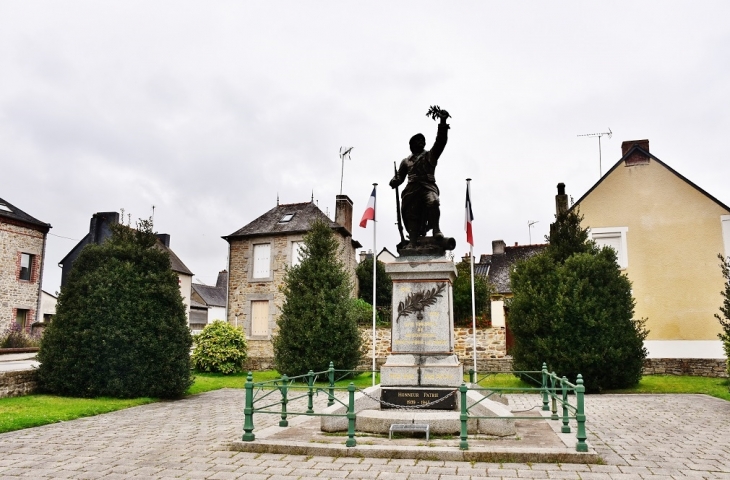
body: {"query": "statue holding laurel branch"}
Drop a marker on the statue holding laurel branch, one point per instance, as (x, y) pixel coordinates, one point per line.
(420, 208)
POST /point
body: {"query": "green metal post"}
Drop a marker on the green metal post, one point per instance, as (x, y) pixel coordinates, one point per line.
(554, 397)
(471, 376)
(283, 389)
(351, 442)
(310, 383)
(580, 415)
(544, 388)
(463, 444)
(248, 435)
(566, 425)
(331, 376)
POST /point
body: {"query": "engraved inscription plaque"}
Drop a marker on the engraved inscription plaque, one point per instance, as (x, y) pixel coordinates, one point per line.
(414, 398)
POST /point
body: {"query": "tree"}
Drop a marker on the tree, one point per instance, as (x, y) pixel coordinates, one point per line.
(573, 309)
(725, 309)
(120, 328)
(220, 347)
(383, 288)
(462, 295)
(316, 324)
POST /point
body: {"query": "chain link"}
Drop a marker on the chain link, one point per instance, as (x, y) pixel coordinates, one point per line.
(403, 407)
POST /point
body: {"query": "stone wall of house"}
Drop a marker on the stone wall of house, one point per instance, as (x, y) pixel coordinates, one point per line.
(14, 293)
(14, 384)
(698, 367)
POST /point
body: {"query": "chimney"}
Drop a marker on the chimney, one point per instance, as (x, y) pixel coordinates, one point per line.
(498, 247)
(343, 211)
(222, 280)
(164, 238)
(561, 200)
(466, 258)
(363, 255)
(626, 146)
(99, 226)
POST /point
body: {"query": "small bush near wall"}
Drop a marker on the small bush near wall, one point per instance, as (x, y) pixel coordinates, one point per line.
(220, 347)
(15, 337)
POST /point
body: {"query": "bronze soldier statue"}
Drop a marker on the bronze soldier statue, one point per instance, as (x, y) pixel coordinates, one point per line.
(420, 198)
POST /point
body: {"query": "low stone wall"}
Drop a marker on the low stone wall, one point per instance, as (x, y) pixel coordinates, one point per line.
(698, 367)
(15, 384)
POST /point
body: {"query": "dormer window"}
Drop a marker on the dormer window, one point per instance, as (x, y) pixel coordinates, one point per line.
(286, 218)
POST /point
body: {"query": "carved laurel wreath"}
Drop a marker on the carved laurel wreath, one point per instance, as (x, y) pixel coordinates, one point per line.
(418, 301)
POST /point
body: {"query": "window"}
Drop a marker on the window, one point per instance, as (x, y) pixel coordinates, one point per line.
(296, 253)
(260, 318)
(286, 218)
(614, 237)
(262, 260)
(4, 208)
(26, 266)
(725, 220)
(21, 318)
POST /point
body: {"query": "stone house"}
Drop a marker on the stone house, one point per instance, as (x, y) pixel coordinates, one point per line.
(22, 252)
(100, 230)
(667, 232)
(258, 255)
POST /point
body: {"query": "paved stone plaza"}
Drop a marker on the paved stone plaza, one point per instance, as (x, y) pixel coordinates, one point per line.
(638, 436)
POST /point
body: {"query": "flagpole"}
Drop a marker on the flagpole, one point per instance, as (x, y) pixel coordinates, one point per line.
(375, 269)
(473, 306)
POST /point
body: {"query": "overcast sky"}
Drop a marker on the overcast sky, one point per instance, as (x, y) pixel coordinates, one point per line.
(209, 110)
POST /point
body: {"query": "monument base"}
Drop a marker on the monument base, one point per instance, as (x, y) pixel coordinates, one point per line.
(411, 370)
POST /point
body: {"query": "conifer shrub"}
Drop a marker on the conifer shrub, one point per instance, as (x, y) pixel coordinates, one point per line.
(572, 308)
(724, 319)
(220, 348)
(316, 324)
(462, 297)
(120, 328)
(383, 289)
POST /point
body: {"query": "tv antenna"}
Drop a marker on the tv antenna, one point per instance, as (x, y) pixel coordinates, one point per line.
(344, 152)
(599, 135)
(530, 223)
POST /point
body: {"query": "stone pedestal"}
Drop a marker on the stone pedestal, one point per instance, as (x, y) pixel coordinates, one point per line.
(422, 338)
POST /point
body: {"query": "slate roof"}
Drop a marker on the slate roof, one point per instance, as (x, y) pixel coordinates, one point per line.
(212, 296)
(498, 267)
(20, 216)
(175, 262)
(637, 149)
(270, 222)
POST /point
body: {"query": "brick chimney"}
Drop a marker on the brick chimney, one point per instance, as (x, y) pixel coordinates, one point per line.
(343, 211)
(626, 146)
(561, 200)
(498, 247)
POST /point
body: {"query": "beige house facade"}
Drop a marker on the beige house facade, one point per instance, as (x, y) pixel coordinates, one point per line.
(667, 232)
(22, 252)
(260, 253)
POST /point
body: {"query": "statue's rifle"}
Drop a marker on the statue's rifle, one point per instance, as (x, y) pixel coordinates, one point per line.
(397, 209)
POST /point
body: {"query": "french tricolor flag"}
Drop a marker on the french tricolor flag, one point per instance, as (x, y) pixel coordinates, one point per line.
(369, 211)
(469, 217)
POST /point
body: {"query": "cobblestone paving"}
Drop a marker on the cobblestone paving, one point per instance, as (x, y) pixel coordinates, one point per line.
(639, 436)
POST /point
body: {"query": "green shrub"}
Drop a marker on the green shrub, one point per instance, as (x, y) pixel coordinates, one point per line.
(220, 347)
(575, 311)
(725, 309)
(316, 325)
(120, 328)
(462, 297)
(15, 337)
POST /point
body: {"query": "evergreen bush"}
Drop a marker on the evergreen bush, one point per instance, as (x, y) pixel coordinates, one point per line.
(725, 309)
(120, 328)
(316, 324)
(575, 311)
(383, 289)
(462, 297)
(220, 347)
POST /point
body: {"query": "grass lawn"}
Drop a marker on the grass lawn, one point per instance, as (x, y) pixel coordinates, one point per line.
(33, 410)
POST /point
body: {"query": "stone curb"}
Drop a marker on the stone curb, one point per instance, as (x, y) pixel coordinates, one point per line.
(474, 454)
